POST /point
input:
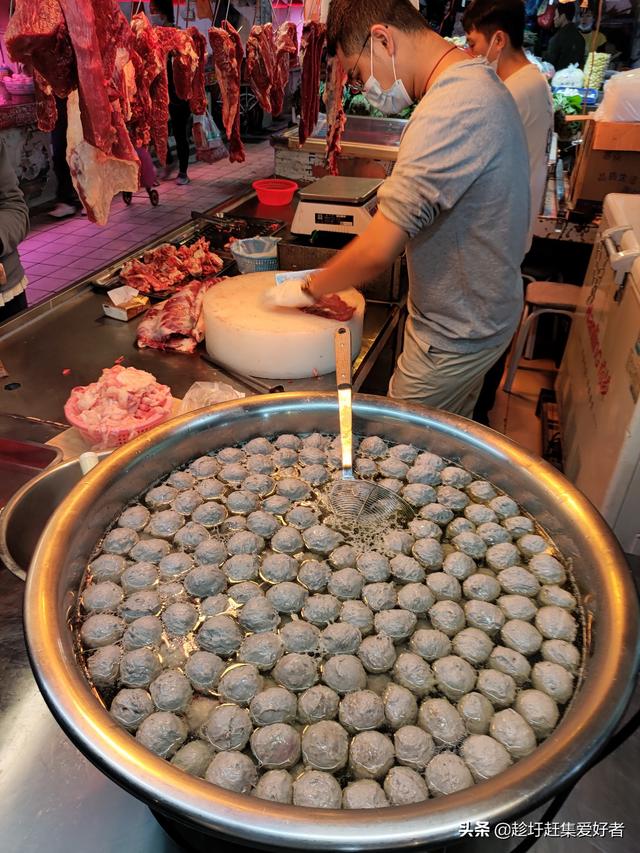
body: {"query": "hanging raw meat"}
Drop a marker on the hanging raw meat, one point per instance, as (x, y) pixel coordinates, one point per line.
(37, 34)
(198, 99)
(46, 109)
(147, 45)
(96, 176)
(236, 148)
(227, 60)
(261, 63)
(313, 38)
(286, 51)
(336, 118)
(184, 58)
(150, 115)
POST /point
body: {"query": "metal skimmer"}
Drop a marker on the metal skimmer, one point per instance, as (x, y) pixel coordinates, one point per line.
(361, 503)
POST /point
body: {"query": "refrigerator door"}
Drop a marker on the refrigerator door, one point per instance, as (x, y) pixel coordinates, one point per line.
(598, 384)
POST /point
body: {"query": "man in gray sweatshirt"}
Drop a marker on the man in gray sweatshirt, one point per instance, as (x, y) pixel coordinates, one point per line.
(14, 224)
(457, 201)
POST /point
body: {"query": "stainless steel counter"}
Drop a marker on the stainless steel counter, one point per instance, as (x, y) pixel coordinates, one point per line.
(67, 340)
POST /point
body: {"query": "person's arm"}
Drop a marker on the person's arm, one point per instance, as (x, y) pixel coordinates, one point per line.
(364, 259)
(440, 156)
(14, 213)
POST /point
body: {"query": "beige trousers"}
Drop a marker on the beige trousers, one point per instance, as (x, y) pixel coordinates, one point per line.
(443, 380)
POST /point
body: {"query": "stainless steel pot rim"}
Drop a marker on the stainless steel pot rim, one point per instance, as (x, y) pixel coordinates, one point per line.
(583, 730)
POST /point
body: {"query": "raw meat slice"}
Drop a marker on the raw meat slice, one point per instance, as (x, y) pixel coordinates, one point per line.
(313, 38)
(261, 63)
(227, 58)
(140, 103)
(227, 74)
(333, 307)
(46, 109)
(336, 118)
(198, 99)
(37, 34)
(150, 114)
(184, 58)
(236, 148)
(176, 324)
(95, 107)
(96, 176)
(286, 51)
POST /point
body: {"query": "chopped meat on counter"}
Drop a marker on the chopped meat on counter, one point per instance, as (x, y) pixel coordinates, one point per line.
(261, 63)
(122, 397)
(336, 118)
(166, 266)
(286, 52)
(176, 325)
(313, 38)
(333, 307)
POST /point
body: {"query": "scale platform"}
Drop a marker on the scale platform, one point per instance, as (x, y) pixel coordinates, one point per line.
(338, 204)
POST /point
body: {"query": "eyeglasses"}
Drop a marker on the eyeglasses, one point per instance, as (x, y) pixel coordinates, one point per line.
(356, 87)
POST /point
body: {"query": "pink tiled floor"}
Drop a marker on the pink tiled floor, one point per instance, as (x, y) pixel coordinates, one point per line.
(57, 253)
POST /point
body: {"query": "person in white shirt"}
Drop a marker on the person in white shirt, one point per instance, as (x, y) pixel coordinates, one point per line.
(495, 30)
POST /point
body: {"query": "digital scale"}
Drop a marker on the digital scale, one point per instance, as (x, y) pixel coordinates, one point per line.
(338, 204)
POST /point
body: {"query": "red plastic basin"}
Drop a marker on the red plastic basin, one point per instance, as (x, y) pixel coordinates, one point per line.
(274, 192)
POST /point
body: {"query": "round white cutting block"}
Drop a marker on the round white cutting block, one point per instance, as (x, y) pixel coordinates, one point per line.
(245, 335)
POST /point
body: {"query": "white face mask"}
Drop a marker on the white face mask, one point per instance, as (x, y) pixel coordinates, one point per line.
(494, 62)
(389, 101)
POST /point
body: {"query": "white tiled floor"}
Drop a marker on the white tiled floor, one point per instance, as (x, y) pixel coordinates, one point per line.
(56, 253)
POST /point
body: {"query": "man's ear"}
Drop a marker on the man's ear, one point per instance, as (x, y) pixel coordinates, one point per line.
(384, 37)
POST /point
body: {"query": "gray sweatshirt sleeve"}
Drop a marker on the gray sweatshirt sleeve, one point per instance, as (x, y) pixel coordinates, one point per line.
(14, 213)
(440, 157)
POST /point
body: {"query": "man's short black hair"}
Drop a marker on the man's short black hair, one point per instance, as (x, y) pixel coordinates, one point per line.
(350, 21)
(489, 16)
(568, 10)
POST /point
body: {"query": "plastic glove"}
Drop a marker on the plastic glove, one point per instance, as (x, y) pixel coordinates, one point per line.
(289, 294)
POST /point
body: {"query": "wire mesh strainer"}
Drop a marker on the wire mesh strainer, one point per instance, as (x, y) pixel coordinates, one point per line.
(361, 503)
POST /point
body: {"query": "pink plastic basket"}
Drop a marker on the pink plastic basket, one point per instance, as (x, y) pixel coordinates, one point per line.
(112, 437)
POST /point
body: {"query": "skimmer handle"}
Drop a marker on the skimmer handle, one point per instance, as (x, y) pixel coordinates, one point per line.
(343, 378)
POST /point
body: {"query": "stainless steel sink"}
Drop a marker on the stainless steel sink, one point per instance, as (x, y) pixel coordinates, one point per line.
(20, 461)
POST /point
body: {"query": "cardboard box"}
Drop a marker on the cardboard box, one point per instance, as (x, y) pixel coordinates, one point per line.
(127, 310)
(608, 161)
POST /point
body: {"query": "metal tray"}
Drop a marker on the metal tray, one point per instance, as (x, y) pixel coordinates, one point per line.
(217, 233)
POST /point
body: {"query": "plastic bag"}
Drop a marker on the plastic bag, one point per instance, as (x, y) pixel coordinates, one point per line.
(209, 145)
(571, 76)
(621, 100)
(256, 254)
(203, 394)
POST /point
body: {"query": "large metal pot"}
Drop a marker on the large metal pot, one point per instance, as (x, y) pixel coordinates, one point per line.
(601, 572)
